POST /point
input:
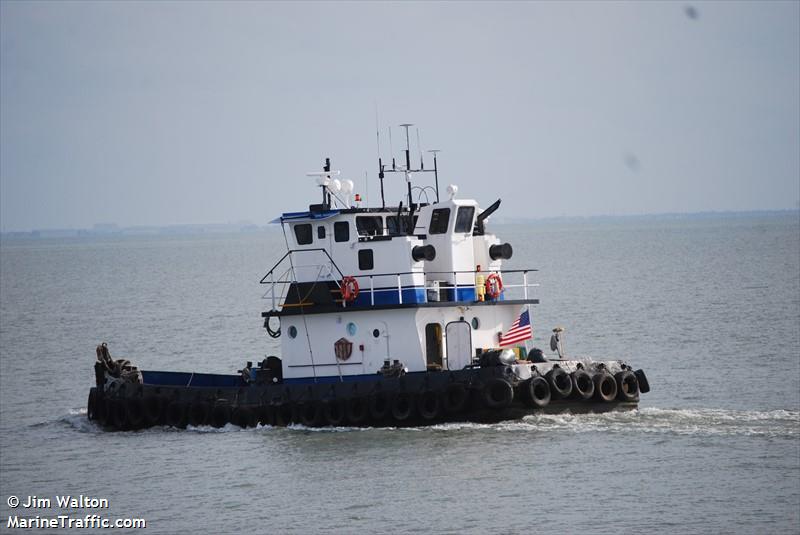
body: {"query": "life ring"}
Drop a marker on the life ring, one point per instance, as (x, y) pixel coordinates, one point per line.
(582, 385)
(627, 386)
(560, 383)
(349, 289)
(429, 405)
(494, 286)
(605, 387)
(537, 391)
(498, 393)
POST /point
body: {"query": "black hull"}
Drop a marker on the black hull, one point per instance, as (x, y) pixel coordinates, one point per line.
(482, 395)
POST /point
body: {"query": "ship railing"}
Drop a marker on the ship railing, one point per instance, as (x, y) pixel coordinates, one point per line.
(433, 287)
(463, 288)
(280, 278)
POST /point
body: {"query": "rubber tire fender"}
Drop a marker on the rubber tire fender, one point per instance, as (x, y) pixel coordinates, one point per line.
(266, 415)
(429, 405)
(91, 404)
(198, 413)
(311, 414)
(379, 406)
(402, 406)
(134, 411)
(153, 410)
(357, 409)
(455, 398)
(101, 406)
(537, 391)
(560, 383)
(335, 412)
(243, 417)
(220, 415)
(175, 414)
(644, 385)
(498, 393)
(605, 387)
(119, 414)
(627, 386)
(582, 384)
(284, 414)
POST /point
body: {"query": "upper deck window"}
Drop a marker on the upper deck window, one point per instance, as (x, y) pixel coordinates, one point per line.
(464, 218)
(321, 232)
(302, 232)
(440, 219)
(395, 229)
(369, 225)
(341, 231)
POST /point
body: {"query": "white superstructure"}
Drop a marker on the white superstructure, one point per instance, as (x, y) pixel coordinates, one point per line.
(362, 286)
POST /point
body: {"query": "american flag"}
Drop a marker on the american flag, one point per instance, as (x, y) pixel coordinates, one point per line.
(520, 330)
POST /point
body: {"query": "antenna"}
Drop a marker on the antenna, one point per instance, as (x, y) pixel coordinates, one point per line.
(419, 150)
(391, 149)
(408, 163)
(436, 171)
(408, 170)
(408, 147)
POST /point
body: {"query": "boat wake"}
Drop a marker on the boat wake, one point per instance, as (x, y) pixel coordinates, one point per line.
(708, 422)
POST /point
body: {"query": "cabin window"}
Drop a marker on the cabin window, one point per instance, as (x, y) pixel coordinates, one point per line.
(365, 260)
(321, 232)
(395, 229)
(369, 225)
(303, 233)
(464, 218)
(440, 219)
(341, 231)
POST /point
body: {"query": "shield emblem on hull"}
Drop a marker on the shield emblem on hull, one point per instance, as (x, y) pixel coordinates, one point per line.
(343, 348)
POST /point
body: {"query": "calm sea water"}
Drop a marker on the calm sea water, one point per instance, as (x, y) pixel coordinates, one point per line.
(710, 308)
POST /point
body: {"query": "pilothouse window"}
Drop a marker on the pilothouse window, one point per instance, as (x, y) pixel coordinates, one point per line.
(303, 233)
(464, 218)
(369, 225)
(395, 229)
(440, 219)
(341, 231)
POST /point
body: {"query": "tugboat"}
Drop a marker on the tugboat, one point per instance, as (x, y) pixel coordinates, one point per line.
(387, 316)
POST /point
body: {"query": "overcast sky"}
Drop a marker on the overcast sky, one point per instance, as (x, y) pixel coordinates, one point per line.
(159, 113)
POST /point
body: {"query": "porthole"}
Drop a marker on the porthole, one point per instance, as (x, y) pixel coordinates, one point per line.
(475, 323)
(376, 333)
(351, 329)
(292, 331)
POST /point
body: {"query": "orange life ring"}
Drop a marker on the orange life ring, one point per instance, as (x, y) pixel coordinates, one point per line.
(494, 286)
(349, 288)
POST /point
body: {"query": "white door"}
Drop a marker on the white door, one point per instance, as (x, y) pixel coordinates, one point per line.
(459, 345)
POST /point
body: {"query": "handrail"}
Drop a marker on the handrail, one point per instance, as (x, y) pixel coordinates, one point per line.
(290, 251)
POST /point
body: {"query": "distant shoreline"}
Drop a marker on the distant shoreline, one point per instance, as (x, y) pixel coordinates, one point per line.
(113, 230)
